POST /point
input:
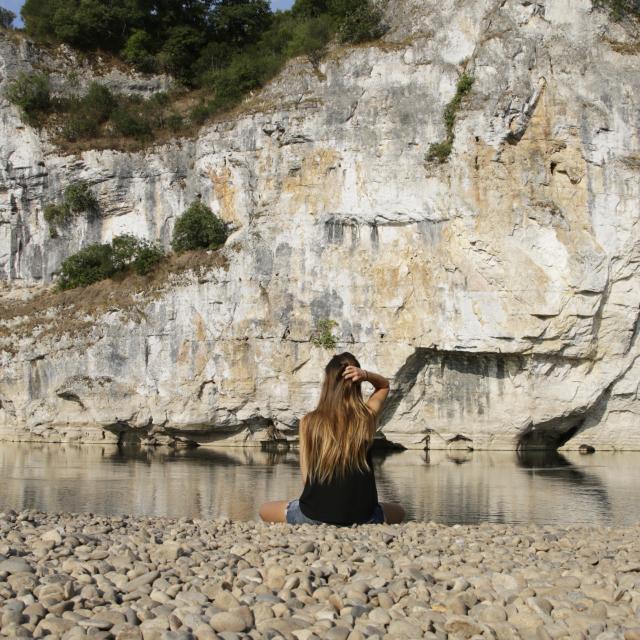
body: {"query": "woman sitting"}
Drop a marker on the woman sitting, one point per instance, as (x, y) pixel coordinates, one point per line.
(335, 454)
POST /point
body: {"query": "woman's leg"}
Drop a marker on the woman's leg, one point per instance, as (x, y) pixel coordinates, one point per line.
(274, 511)
(393, 513)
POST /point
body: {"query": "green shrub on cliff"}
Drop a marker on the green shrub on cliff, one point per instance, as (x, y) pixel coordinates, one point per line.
(32, 93)
(139, 254)
(97, 262)
(78, 198)
(198, 228)
(440, 151)
(132, 120)
(89, 265)
(361, 23)
(87, 113)
(323, 335)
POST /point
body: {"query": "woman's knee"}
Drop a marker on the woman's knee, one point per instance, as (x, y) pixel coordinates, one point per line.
(273, 511)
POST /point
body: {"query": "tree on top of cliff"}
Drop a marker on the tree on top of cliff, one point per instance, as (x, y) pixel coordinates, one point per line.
(221, 49)
(6, 18)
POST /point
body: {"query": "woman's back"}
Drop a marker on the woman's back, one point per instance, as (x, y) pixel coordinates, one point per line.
(335, 453)
(343, 499)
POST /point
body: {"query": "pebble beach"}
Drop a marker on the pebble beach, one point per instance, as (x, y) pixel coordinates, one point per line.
(85, 576)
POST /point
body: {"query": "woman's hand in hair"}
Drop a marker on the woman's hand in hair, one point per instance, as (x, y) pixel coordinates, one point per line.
(354, 374)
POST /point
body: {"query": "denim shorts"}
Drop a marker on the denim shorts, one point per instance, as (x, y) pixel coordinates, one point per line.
(294, 515)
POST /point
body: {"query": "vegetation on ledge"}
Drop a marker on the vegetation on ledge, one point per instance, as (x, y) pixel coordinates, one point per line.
(78, 198)
(440, 151)
(198, 228)
(218, 50)
(323, 336)
(97, 261)
(126, 291)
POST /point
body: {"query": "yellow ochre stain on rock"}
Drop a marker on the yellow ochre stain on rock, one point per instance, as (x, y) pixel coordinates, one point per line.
(316, 185)
(225, 193)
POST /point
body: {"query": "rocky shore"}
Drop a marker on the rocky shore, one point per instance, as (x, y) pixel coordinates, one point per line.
(75, 576)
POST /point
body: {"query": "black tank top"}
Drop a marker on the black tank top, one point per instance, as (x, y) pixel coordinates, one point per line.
(345, 500)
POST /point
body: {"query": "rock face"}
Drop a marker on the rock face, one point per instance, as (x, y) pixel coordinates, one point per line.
(499, 290)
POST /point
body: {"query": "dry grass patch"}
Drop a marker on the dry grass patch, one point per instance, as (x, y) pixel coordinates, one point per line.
(73, 311)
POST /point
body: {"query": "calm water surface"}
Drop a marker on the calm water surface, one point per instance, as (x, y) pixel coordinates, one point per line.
(542, 488)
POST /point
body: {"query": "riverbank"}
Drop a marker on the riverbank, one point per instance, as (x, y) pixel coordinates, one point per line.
(76, 576)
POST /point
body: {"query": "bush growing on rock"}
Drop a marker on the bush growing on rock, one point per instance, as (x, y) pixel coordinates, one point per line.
(440, 151)
(323, 336)
(198, 228)
(97, 262)
(130, 251)
(311, 37)
(89, 265)
(361, 23)
(78, 198)
(32, 93)
(131, 122)
(86, 114)
(139, 51)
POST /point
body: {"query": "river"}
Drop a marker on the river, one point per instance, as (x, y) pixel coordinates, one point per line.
(545, 488)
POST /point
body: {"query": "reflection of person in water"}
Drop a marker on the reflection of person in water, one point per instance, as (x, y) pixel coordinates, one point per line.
(335, 454)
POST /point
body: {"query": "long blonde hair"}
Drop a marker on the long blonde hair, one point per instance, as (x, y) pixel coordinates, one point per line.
(335, 436)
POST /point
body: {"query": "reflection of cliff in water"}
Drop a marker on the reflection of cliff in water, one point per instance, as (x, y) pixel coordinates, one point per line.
(554, 466)
(533, 486)
(202, 455)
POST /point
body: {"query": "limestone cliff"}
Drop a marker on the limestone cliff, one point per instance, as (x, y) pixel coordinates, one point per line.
(499, 290)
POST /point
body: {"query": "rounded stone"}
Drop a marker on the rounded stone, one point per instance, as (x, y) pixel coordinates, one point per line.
(227, 621)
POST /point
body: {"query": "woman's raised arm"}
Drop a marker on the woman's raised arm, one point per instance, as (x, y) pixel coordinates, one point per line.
(380, 383)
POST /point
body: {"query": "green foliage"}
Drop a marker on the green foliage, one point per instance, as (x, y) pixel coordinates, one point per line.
(56, 215)
(247, 71)
(323, 336)
(180, 51)
(362, 23)
(440, 151)
(198, 228)
(131, 120)
(138, 51)
(310, 8)
(6, 18)
(241, 23)
(32, 94)
(86, 24)
(201, 112)
(97, 262)
(225, 48)
(311, 37)
(89, 265)
(620, 8)
(131, 251)
(86, 114)
(78, 198)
